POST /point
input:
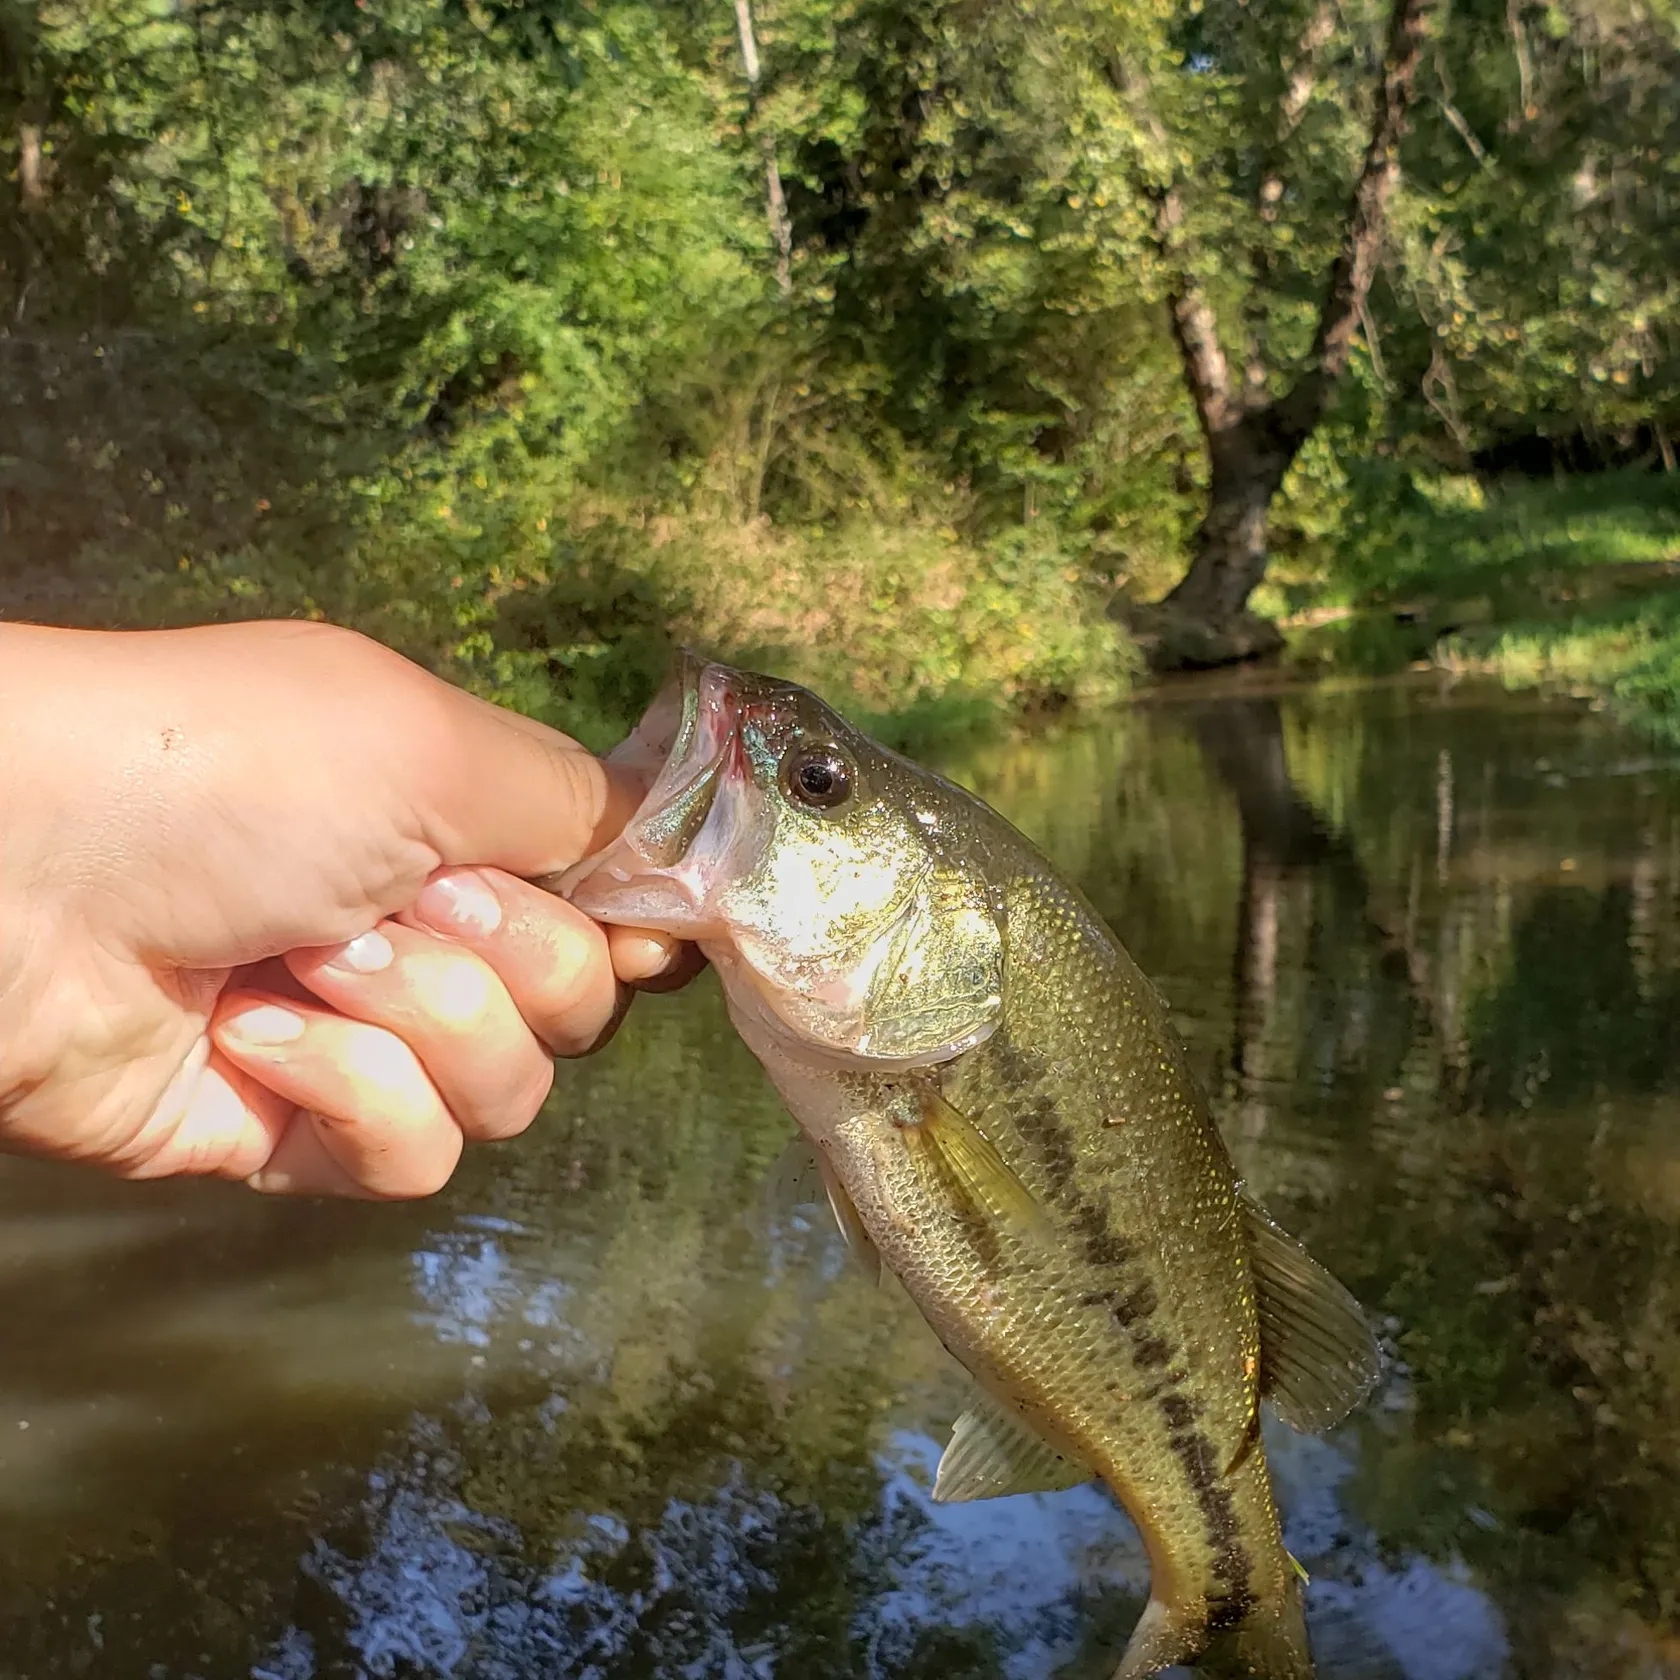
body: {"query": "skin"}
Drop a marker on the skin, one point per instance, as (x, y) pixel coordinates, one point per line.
(263, 912)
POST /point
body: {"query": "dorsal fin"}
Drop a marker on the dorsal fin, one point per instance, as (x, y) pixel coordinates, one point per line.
(992, 1454)
(1318, 1357)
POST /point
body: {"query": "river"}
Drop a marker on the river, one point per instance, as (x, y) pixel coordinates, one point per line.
(591, 1413)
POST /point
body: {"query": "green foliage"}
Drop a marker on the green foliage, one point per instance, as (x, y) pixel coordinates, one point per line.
(1453, 537)
(1568, 582)
(458, 320)
(1537, 244)
(1629, 651)
(465, 310)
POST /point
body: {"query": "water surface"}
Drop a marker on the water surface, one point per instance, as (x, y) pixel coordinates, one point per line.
(583, 1415)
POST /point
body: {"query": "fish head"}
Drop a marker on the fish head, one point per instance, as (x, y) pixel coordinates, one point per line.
(822, 874)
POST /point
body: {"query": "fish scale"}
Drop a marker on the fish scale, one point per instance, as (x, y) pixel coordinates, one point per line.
(1137, 1348)
(1005, 1121)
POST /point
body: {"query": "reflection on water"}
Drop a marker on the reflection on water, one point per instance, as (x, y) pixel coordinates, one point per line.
(586, 1416)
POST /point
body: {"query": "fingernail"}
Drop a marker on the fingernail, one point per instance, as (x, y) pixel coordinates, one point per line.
(268, 1023)
(459, 903)
(367, 953)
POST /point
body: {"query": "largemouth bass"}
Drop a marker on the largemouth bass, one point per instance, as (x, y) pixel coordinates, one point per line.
(1004, 1120)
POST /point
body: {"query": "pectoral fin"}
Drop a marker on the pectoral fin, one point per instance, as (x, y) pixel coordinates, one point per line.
(799, 1177)
(859, 1244)
(1318, 1357)
(971, 1164)
(794, 1181)
(992, 1454)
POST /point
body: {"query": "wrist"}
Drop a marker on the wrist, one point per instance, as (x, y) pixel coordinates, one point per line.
(36, 702)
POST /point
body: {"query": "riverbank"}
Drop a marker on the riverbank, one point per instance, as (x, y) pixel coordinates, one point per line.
(566, 603)
(1572, 583)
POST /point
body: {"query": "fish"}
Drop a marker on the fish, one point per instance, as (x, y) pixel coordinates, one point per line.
(1005, 1122)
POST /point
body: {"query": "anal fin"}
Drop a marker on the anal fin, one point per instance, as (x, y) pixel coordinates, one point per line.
(992, 1454)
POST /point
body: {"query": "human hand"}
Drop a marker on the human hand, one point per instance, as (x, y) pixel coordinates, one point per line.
(262, 915)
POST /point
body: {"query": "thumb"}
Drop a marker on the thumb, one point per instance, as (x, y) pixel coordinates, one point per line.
(504, 790)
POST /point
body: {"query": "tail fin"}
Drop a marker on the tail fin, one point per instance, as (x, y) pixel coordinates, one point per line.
(1269, 1643)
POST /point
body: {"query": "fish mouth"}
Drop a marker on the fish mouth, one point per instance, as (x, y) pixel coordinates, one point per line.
(689, 742)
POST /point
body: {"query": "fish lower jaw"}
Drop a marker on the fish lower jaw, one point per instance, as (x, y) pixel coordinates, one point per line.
(621, 889)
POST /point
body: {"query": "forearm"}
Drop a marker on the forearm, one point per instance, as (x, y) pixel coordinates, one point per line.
(65, 730)
(28, 658)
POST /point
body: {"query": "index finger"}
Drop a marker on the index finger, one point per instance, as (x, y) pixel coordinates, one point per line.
(552, 958)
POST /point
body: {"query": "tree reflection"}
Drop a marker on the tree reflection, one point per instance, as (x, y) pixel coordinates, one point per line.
(1537, 1300)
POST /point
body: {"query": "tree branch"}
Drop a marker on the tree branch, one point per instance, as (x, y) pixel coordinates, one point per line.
(1195, 328)
(1299, 412)
(1268, 197)
(775, 202)
(1297, 94)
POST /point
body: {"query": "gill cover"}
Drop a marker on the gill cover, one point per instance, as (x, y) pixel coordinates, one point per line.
(913, 979)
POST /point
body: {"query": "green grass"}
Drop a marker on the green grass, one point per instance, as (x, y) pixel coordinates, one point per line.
(1451, 539)
(1629, 652)
(1573, 582)
(1387, 538)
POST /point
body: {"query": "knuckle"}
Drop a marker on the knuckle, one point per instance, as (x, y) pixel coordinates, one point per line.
(384, 1065)
(435, 1177)
(575, 990)
(536, 1091)
(416, 1182)
(429, 1161)
(457, 988)
(525, 1104)
(500, 1099)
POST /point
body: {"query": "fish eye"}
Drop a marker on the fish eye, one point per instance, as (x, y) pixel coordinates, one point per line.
(817, 774)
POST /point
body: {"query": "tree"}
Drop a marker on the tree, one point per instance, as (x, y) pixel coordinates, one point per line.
(1539, 320)
(1254, 425)
(503, 288)
(775, 203)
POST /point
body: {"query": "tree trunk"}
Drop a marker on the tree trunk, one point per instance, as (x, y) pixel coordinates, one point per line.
(1254, 975)
(1286, 837)
(1230, 554)
(30, 191)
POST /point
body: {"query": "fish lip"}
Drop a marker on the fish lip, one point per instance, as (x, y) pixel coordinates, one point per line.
(688, 742)
(665, 729)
